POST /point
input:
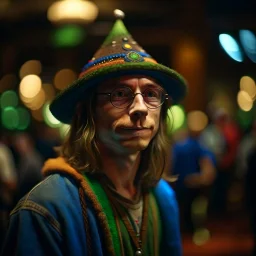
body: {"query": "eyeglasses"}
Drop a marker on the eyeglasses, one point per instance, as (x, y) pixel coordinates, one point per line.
(123, 96)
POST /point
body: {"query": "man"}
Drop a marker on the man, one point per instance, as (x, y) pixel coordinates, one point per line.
(104, 195)
(194, 165)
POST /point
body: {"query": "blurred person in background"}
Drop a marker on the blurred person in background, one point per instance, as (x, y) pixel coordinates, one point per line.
(195, 169)
(226, 168)
(104, 195)
(245, 148)
(29, 163)
(8, 185)
(250, 178)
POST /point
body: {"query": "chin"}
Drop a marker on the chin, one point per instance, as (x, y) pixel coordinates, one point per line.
(136, 145)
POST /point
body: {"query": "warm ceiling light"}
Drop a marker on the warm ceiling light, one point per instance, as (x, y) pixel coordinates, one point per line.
(78, 11)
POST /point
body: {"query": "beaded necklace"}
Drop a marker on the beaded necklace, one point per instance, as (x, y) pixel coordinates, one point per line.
(138, 238)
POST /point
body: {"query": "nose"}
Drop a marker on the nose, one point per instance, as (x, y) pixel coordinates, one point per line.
(138, 107)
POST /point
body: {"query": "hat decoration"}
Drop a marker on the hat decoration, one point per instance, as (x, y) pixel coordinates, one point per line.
(119, 55)
(118, 47)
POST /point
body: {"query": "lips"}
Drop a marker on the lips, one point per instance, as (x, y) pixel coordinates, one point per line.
(134, 128)
(129, 132)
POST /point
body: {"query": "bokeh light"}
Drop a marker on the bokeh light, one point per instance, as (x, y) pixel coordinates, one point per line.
(68, 36)
(35, 103)
(49, 119)
(30, 86)
(197, 121)
(245, 118)
(247, 84)
(63, 78)
(49, 92)
(10, 118)
(176, 118)
(24, 118)
(70, 11)
(31, 67)
(231, 47)
(248, 41)
(201, 236)
(244, 101)
(9, 99)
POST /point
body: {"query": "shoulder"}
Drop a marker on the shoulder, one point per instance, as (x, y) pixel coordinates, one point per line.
(165, 197)
(55, 194)
(164, 188)
(52, 187)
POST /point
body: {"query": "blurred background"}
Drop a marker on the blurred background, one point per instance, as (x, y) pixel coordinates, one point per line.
(212, 43)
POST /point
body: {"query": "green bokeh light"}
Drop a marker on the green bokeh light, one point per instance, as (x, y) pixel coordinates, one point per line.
(245, 118)
(9, 99)
(68, 36)
(201, 236)
(10, 118)
(49, 119)
(24, 118)
(176, 118)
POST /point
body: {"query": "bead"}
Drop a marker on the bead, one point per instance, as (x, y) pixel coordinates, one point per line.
(138, 252)
(125, 39)
(119, 14)
(127, 46)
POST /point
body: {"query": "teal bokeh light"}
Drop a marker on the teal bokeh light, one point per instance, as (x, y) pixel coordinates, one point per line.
(231, 47)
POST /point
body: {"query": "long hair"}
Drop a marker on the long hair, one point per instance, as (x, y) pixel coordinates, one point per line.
(81, 152)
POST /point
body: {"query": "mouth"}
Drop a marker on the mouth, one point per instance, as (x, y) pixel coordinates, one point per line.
(134, 131)
(135, 128)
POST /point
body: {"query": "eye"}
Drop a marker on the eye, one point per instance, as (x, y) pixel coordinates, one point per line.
(152, 93)
(121, 93)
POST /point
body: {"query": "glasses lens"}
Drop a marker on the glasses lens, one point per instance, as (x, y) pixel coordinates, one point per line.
(154, 97)
(121, 97)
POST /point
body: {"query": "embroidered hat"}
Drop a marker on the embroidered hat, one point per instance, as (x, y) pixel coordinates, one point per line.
(119, 55)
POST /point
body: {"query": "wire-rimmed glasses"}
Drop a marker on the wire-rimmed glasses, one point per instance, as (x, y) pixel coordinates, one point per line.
(122, 97)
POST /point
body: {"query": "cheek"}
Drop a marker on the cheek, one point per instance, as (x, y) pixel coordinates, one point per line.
(106, 117)
(156, 118)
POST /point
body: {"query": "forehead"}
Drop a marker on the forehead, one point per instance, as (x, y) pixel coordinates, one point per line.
(130, 81)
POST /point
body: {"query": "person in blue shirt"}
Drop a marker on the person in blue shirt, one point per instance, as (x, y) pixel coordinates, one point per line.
(104, 194)
(195, 169)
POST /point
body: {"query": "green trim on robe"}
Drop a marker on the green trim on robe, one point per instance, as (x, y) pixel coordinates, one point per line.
(107, 209)
(154, 222)
(148, 248)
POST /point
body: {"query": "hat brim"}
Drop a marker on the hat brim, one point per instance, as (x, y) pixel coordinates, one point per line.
(64, 105)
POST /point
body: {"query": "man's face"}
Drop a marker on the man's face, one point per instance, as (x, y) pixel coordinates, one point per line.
(125, 130)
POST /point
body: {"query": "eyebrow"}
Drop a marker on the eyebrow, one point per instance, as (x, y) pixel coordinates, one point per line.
(149, 84)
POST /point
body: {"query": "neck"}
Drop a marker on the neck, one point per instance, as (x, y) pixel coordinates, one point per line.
(121, 170)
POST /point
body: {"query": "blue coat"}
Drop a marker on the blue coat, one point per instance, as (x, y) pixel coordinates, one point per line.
(48, 221)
